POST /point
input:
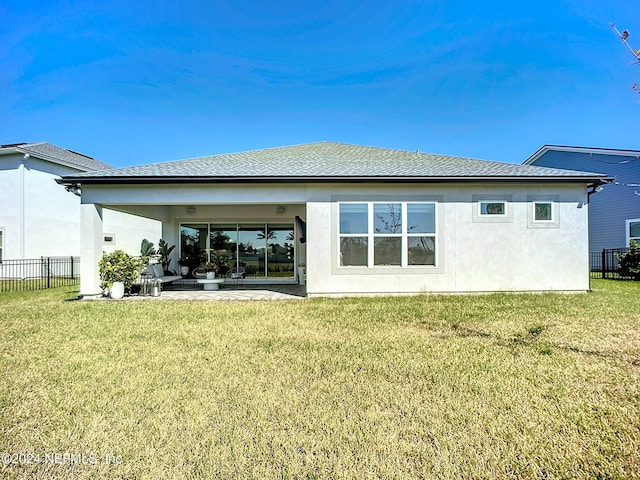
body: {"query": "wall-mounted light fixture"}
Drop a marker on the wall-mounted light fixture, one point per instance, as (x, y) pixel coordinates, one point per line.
(191, 210)
(281, 209)
(74, 189)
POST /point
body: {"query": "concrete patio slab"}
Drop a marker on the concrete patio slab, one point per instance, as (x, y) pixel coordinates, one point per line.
(229, 293)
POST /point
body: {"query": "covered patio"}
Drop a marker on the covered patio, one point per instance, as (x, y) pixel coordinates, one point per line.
(263, 239)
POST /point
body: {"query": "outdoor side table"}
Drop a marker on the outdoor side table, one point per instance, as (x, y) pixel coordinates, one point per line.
(210, 284)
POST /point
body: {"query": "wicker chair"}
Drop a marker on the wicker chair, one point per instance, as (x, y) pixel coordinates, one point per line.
(237, 275)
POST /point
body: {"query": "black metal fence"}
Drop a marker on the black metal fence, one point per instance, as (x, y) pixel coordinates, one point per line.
(604, 264)
(39, 273)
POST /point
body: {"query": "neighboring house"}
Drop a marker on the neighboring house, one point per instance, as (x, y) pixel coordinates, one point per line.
(40, 219)
(614, 212)
(378, 221)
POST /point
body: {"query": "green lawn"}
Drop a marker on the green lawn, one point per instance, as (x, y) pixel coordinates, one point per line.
(487, 386)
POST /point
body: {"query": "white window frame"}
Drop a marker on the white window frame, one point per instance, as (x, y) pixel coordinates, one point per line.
(628, 230)
(493, 215)
(371, 235)
(532, 201)
(481, 199)
(533, 211)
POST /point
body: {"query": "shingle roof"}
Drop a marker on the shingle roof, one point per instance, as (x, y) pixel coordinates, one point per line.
(328, 161)
(59, 155)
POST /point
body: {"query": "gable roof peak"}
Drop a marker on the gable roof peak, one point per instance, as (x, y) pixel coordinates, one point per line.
(574, 149)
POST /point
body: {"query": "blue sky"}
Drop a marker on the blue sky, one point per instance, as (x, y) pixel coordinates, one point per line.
(143, 82)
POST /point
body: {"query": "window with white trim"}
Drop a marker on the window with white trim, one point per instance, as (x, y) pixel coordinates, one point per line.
(633, 231)
(489, 208)
(543, 211)
(381, 234)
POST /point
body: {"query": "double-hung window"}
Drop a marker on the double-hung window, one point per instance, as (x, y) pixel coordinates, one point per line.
(387, 234)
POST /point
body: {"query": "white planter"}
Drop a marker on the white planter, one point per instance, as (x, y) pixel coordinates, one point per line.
(211, 275)
(117, 290)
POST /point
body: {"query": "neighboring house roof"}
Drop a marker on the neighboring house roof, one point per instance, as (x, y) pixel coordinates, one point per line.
(330, 162)
(53, 153)
(596, 151)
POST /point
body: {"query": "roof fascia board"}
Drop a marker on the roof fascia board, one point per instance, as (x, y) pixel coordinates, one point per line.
(70, 180)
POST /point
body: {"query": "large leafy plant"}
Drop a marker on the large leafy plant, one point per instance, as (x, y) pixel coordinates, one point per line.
(147, 249)
(119, 266)
(164, 250)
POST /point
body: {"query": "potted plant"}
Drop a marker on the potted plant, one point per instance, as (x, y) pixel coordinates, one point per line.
(210, 268)
(222, 261)
(118, 271)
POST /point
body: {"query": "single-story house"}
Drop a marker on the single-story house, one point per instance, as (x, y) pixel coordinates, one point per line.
(362, 220)
(40, 219)
(614, 213)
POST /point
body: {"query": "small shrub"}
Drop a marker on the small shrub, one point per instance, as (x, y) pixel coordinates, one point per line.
(629, 263)
(119, 266)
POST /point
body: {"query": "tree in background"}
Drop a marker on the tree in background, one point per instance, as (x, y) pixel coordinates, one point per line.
(624, 36)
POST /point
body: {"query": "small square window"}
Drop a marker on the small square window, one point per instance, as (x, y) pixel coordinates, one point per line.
(542, 211)
(493, 208)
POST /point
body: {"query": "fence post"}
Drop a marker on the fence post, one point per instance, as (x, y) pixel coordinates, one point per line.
(71, 266)
(604, 263)
(48, 272)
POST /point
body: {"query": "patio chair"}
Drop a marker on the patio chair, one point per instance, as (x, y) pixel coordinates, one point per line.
(237, 275)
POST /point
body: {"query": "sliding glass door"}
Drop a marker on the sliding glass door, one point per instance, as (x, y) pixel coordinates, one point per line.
(251, 249)
(280, 248)
(264, 250)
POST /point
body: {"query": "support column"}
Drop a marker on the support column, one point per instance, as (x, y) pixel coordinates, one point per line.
(91, 241)
(169, 231)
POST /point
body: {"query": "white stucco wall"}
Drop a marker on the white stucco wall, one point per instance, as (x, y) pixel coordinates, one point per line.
(10, 208)
(52, 215)
(129, 231)
(474, 255)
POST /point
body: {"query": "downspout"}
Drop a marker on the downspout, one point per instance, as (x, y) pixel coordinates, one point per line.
(23, 228)
(594, 189)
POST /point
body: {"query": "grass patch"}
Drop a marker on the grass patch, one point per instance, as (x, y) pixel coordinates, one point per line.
(486, 386)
